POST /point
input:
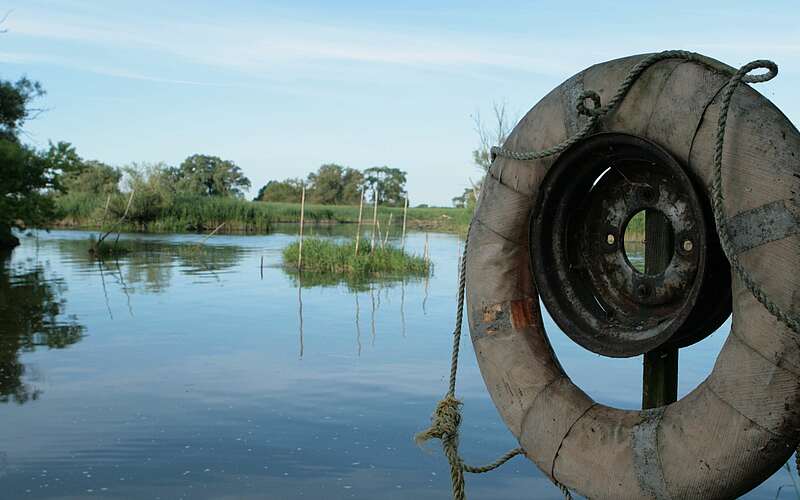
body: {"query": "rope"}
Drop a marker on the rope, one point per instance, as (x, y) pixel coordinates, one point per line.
(717, 200)
(446, 418)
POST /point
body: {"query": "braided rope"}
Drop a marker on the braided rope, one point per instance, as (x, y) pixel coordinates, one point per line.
(717, 198)
(446, 417)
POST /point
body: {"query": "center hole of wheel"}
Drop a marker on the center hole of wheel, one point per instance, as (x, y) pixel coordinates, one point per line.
(648, 241)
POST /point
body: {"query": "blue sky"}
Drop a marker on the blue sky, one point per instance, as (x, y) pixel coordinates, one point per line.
(282, 87)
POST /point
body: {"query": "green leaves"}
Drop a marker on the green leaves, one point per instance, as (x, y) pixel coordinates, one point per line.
(288, 190)
(387, 184)
(15, 100)
(25, 177)
(334, 184)
(211, 176)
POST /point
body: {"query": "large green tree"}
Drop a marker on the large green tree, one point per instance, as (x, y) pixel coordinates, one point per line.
(334, 184)
(211, 176)
(15, 105)
(288, 190)
(387, 184)
(26, 175)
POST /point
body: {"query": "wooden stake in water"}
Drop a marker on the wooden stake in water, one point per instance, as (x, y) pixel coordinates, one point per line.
(425, 256)
(405, 213)
(386, 238)
(211, 234)
(105, 212)
(374, 220)
(358, 229)
(302, 220)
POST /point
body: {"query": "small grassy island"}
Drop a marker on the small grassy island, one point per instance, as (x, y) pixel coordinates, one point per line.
(340, 258)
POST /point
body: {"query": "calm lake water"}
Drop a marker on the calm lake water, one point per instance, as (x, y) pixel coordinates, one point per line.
(180, 371)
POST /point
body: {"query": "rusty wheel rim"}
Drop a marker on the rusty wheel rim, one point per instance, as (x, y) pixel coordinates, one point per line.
(586, 280)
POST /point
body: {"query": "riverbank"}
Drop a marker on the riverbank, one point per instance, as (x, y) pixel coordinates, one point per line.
(202, 214)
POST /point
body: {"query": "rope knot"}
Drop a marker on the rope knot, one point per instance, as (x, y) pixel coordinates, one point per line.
(444, 422)
(595, 110)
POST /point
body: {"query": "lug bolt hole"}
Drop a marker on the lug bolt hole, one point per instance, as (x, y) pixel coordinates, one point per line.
(611, 239)
(688, 245)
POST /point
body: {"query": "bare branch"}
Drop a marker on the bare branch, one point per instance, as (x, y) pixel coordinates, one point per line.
(119, 222)
(489, 136)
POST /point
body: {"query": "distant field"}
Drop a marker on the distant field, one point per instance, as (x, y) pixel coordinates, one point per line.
(206, 213)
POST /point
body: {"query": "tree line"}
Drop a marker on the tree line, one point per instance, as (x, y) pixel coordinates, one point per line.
(334, 184)
(33, 180)
(144, 191)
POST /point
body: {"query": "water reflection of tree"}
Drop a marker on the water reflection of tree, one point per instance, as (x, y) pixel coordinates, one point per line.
(30, 310)
(150, 263)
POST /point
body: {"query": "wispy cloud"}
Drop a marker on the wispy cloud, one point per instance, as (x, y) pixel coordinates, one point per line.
(264, 49)
(271, 45)
(27, 57)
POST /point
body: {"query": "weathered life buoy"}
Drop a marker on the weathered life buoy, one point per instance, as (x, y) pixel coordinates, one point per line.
(740, 424)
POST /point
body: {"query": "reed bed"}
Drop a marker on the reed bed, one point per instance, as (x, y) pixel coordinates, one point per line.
(338, 258)
(204, 213)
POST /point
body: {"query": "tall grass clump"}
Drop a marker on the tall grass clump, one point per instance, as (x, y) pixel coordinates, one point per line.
(340, 258)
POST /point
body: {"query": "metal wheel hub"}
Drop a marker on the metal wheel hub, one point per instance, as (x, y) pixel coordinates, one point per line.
(601, 297)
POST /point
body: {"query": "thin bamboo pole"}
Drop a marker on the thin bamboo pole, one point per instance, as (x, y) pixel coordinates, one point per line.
(105, 212)
(405, 213)
(358, 229)
(374, 220)
(386, 237)
(119, 222)
(302, 221)
(211, 234)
